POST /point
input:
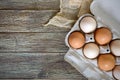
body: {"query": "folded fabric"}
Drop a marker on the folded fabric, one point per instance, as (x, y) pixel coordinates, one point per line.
(70, 10)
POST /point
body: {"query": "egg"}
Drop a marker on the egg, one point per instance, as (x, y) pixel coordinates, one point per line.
(76, 40)
(106, 62)
(115, 47)
(118, 60)
(91, 50)
(88, 24)
(116, 72)
(103, 36)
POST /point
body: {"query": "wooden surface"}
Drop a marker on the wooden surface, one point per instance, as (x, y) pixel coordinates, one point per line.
(28, 50)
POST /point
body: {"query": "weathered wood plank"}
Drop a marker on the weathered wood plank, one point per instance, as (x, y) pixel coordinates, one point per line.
(29, 4)
(32, 42)
(46, 79)
(36, 65)
(27, 21)
(29, 50)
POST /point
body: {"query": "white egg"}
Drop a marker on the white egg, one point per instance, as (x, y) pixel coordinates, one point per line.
(115, 47)
(91, 50)
(88, 24)
(116, 72)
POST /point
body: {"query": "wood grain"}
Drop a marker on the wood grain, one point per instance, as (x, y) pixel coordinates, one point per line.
(27, 21)
(32, 42)
(46, 79)
(28, 50)
(36, 65)
(29, 4)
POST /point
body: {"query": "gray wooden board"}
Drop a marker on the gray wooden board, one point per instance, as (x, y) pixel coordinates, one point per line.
(43, 79)
(46, 79)
(29, 4)
(32, 42)
(29, 50)
(27, 21)
(36, 65)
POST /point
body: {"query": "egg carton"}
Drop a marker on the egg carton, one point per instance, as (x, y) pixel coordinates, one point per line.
(75, 57)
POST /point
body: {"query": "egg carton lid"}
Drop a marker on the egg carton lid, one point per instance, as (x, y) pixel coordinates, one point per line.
(108, 13)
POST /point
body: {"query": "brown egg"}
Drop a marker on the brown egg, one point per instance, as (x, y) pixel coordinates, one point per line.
(103, 36)
(106, 62)
(116, 72)
(76, 39)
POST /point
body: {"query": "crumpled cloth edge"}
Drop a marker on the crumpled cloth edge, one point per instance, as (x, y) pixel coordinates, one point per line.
(60, 21)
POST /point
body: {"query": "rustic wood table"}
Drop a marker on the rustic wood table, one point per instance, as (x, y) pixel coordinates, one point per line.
(28, 50)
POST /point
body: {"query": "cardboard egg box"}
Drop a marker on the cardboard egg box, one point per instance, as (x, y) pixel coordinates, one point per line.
(75, 57)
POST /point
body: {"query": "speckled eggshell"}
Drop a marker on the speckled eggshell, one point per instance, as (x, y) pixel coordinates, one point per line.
(88, 24)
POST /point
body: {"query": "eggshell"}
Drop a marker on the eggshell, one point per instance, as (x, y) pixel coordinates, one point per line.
(76, 39)
(88, 24)
(115, 47)
(116, 72)
(106, 62)
(103, 36)
(91, 50)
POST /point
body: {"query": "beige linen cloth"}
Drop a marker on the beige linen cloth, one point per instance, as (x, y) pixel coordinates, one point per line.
(70, 10)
